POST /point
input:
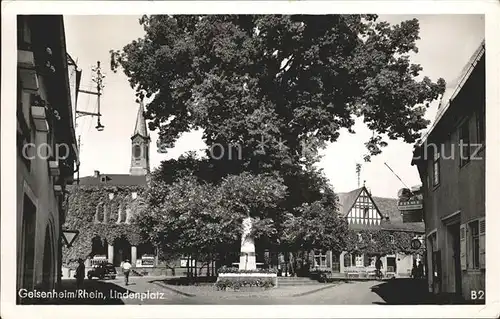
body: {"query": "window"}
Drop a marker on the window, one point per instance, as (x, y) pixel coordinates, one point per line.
(23, 33)
(367, 211)
(137, 151)
(480, 116)
(474, 244)
(359, 261)
(320, 260)
(464, 143)
(348, 260)
(435, 168)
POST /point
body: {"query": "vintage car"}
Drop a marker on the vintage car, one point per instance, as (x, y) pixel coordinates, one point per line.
(101, 271)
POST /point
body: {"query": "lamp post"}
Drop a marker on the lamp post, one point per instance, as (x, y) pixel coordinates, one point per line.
(98, 80)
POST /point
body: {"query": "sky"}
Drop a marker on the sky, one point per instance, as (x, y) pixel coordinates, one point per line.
(447, 42)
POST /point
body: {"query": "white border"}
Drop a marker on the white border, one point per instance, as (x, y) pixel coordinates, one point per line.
(8, 156)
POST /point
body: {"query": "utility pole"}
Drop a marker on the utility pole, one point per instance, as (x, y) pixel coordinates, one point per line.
(358, 171)
(78, 172)
(97, 78)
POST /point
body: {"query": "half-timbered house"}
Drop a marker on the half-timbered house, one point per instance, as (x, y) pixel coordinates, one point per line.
(363, 211)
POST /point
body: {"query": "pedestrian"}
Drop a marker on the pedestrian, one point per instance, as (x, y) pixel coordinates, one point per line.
(420, 270)
(80, 274)
(414, 270)
(378, 266)
(126, 270)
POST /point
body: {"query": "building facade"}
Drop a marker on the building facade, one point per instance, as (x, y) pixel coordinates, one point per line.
(102, 207)
(46, 156)
(364, 213)
(451, 164)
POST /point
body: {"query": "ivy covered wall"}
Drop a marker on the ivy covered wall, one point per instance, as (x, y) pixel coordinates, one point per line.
(91, 211)
(382, 242)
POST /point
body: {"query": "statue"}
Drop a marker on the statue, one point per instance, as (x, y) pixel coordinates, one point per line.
(247, 252)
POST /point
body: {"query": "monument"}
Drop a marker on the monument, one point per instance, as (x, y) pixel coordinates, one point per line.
(247, 252)
(229, 278)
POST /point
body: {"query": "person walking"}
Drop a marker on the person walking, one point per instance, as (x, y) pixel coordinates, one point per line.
(378, 266)
(126, 270)
(80, 274)
(414, 270)
(420, 270)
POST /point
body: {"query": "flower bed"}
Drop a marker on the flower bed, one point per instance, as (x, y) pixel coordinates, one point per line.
(231, 278)
(245, 283)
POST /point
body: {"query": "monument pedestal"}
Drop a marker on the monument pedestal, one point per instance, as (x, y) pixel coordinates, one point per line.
(247, 261)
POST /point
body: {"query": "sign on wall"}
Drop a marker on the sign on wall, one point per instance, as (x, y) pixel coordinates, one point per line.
(410, 199)
(411, 204)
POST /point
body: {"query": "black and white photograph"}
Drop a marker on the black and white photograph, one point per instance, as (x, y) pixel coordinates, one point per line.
(249, 159)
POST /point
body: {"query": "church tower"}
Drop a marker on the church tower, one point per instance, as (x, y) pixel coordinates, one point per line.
(140, 145)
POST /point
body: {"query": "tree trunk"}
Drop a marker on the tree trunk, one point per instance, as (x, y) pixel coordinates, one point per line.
(209, 264)
(195, 268)
(286, 257)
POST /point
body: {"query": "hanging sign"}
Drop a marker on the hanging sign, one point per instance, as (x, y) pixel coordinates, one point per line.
(412, 204)
(415, 243)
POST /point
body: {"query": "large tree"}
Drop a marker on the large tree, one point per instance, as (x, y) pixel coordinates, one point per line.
(269, 91)
(281, 79)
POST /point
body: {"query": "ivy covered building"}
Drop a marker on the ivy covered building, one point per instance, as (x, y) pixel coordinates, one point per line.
(377, 229)
(102, 208)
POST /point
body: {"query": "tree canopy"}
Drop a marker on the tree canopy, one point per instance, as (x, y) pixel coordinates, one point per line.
(281, 79)
(268, 92)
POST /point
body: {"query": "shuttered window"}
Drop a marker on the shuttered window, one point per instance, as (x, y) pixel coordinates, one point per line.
(464, 143)
(436, 169)
(463, 247)
(474, 244)
(482, 243)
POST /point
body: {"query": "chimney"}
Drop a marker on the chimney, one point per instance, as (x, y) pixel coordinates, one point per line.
(96, 174)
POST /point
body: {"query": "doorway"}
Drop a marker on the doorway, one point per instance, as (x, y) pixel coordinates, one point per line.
(454, 231)
(122, 251)
(391, 264)
(28, 242)
(47, 261)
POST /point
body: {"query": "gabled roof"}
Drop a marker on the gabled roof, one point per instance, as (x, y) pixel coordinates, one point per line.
(453, 88)
(347, 200)
(388, 207)
(114, 179)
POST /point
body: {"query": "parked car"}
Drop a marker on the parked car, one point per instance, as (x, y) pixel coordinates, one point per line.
(106, 270)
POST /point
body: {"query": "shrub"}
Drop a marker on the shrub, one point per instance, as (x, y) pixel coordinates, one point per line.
(237, 283)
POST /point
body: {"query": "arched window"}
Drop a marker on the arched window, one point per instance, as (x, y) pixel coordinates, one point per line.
(137, 151)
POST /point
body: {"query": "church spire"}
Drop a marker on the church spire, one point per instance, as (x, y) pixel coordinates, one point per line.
(139, 164)
(140, 122)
